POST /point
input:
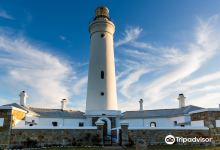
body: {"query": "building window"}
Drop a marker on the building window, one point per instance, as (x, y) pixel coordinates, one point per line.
(102, 93)
(175, 123)
(182, 125)
(32, 123)
(1, 122)
(55, 124)
(153, 124)
(102, 75)
(81, 124)
(102, 35)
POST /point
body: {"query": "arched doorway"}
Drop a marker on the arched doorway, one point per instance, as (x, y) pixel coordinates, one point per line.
(106, 130)
(107, 124)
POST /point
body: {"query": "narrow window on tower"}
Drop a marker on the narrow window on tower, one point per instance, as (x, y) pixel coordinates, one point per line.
(102, 35)
(55, 124)
(81, 124)
(102, 74)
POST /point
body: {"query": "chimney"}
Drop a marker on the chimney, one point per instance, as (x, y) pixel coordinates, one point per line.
(141, 104)
(23, 98)
(63, 104)
(181, 99)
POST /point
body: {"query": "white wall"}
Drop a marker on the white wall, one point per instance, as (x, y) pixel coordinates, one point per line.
(198, 123)
(217, 123)
(30, 118)
(74, 122)
(160, 122)
(180, 119)
(19, 123)
(47, 122)
(88, 121)
(61, 122)
(117, 122)
(134, 122)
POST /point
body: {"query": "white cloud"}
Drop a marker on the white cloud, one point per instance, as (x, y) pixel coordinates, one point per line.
(142, 45)
(171, 65)
(207, 100)
(80, 85)
(133, 77)
(205, 46)
(5, 101)
(63, 38)
(5, 15)
(156, 56)
(131, 34)
(208, 88)
(33, 68)
(204, 79)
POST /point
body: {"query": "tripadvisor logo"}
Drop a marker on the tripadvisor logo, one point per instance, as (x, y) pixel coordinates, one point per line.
(170, 139)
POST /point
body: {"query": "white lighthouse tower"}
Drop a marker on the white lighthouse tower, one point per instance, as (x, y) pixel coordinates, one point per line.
(101, 90)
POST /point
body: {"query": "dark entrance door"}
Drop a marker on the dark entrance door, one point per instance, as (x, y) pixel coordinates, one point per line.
(107, 138)
(105, 128)
(120, 138)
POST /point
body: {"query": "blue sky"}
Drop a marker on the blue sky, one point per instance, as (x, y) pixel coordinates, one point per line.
(162, 48)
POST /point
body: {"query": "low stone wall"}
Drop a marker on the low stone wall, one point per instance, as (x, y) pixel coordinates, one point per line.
(157, 136)
(53, 137)
(215, 133)
(5, 130)
(209, 118)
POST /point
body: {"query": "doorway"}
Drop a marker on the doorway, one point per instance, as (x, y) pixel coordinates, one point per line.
(107, 138)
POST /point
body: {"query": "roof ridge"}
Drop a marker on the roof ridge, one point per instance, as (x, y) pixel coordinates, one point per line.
(54, 109)
(188, 106)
